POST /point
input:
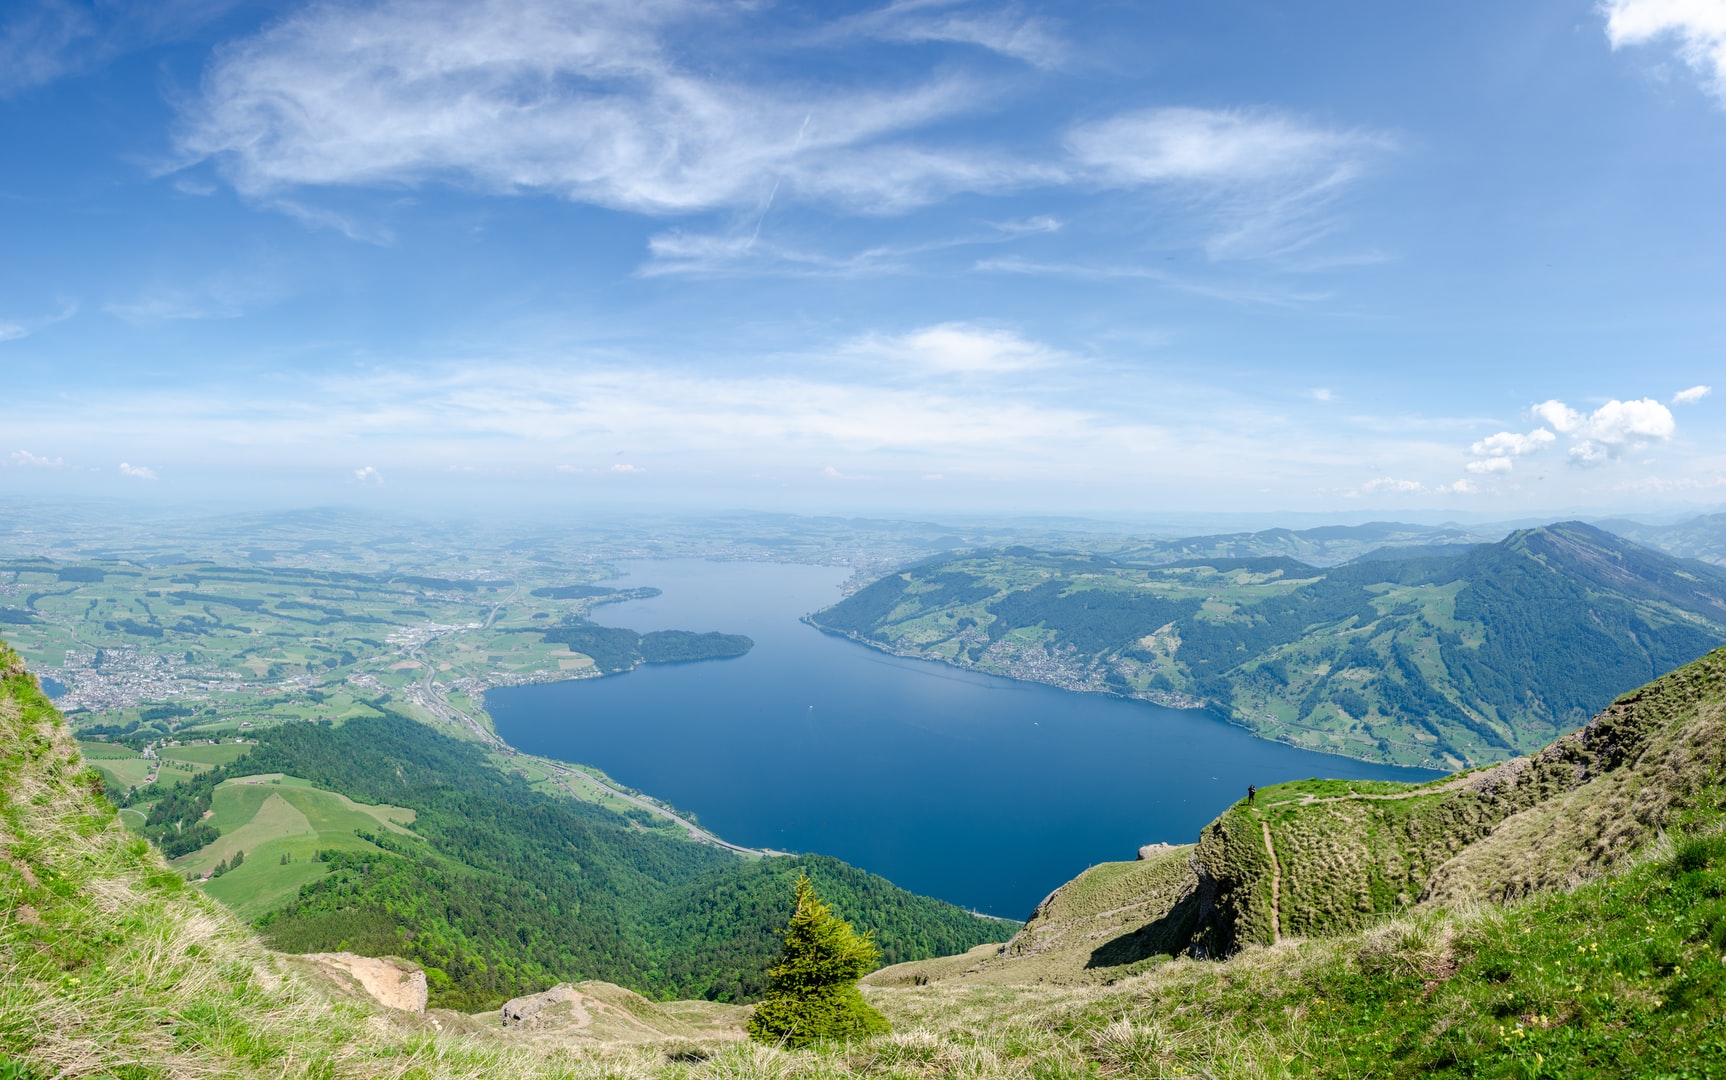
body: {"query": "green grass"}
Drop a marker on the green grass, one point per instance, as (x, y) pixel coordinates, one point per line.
(221, 754)
(272, 816)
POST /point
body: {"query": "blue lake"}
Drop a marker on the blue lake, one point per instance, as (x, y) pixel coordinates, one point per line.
(52, 687)
(980, 790)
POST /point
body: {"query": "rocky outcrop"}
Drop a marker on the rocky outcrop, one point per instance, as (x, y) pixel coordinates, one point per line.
(392, 983)
(563, 1005)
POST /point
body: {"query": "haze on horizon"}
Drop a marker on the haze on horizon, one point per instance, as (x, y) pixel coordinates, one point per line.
(930, 255)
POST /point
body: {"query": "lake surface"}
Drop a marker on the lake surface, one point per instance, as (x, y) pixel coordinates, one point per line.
(977, 789)
(52, 687)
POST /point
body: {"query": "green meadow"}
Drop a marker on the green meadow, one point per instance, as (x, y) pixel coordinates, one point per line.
(281, 823)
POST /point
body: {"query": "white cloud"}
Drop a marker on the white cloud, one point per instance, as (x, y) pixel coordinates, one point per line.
(1391, 485)
(1692, 395)
(1698, 27)
(1321, 394)
(1268, 176)
(1595, 438)
(959, 348)
(1463, 486)
(12, 331)
(832, 474)
(137, 472)
(368, 475)
(1509, 444)
(1006, 32)
(622, 468)
(586, 100)
(1042, 223)
(1610, 430)
(26, 459)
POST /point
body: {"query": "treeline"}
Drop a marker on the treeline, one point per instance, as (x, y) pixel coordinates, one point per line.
(504, 890)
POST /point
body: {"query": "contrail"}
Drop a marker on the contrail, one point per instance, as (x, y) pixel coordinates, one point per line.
(795, 143)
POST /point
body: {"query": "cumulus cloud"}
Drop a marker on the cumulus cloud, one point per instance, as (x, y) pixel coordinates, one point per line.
(1392, 485)
(368, 475)
(1611, 430)
(1595, 437)
(1495, 453)
(137, 472)
(1509, 444)
(1462, 486)
(26, 459)
(1696, 27)
(1692, 395)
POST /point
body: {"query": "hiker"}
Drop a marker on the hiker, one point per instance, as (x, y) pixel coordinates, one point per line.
(1252, 793)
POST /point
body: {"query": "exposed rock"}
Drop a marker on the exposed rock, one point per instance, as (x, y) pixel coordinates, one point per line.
(1150, 850)
(393, 983)
(563, 1002)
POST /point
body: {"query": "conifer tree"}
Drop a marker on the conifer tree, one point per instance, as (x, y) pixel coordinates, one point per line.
(812, 992)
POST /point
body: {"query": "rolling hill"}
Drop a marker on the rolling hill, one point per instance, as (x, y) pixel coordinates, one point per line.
(1442, 657)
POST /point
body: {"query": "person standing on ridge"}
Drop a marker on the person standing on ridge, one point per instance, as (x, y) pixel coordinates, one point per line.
(1252, 793)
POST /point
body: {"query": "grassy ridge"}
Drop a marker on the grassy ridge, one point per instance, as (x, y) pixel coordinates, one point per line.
(1444, 660)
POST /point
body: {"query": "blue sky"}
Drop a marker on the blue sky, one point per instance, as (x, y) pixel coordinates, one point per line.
(928, 254)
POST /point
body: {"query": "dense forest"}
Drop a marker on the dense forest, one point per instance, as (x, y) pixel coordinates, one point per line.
(505, 890)
(615, 649)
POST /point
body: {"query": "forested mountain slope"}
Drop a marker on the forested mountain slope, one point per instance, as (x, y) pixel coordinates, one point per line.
(498, 889)
(1437, 659)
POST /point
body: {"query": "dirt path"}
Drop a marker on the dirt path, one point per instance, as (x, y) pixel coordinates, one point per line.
(1276, 884)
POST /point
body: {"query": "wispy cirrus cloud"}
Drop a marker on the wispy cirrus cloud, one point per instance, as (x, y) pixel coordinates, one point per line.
(1007, 31)
(584, 100)
(594, 103)
(45, 40)
(1266, 179)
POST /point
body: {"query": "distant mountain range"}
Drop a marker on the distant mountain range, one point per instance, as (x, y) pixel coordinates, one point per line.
(1431, 651)
(1702, 537)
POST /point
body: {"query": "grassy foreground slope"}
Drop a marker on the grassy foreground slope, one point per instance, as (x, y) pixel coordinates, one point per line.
(1445, 658)
(110, 965)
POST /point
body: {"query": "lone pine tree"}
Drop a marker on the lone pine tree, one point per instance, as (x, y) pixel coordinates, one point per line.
(812, 992)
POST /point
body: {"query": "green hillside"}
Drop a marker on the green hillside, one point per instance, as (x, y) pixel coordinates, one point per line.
(401, 841)
(1443, 658)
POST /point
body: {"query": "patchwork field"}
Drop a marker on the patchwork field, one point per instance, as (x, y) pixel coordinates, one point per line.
(280, 823)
